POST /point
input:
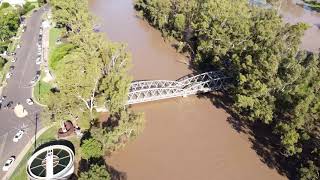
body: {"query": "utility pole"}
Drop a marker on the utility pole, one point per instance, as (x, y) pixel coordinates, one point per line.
(35, 131)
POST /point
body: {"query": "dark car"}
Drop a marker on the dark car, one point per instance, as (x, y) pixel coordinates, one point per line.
(11, 68)
(8, 105)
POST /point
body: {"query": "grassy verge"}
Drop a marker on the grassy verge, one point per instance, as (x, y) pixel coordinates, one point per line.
(313, 4)
(42, 91)
(20, 172)
(53, 37)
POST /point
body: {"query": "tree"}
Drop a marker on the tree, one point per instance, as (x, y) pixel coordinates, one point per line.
(128, 126)
(9, 23)
(94, 73)
(2, 63)
(72, 14)
(91, 148)
(274, 82)
(310, 172)
(95, 173)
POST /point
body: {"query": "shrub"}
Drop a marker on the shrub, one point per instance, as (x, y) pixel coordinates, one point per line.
(4, 5)
(2, 63)
(91, 148)
(95, 173)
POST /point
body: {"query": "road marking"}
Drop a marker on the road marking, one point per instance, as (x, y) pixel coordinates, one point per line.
(3, 144)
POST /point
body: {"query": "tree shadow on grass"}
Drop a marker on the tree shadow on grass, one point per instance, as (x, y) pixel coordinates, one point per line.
(263, 141)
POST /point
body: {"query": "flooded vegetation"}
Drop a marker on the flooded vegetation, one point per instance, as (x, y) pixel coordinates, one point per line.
(184, 138)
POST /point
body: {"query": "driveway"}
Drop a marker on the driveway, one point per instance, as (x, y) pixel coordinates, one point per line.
(18, 89)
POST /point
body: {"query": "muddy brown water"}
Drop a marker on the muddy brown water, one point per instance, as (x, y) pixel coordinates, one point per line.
(294, 11)
(184, 138)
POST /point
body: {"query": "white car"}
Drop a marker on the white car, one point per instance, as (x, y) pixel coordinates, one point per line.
(18, 136)
(29, 101)
(18, 46)
(8, 163)
(9, 74)
(14, 60)
(38, 60)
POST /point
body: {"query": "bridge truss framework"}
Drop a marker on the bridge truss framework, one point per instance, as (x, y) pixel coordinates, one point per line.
(144, 91)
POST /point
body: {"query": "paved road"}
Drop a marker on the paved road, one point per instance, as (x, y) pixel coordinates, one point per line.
(18, 89)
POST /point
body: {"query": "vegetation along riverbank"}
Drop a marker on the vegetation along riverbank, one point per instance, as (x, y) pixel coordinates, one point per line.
(90, 72)
(275, 84)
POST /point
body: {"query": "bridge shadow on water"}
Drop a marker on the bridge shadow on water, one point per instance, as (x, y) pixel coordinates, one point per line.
(263, 142)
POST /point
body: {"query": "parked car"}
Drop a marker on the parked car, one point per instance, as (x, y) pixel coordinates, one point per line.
(36, 78)
(2, 98)
(8, 163)
(9, 104)
(18, 136)
(29, 101)
(38, 60)
(9, 74)
(11, 68)
(14, 60)
(18, 46)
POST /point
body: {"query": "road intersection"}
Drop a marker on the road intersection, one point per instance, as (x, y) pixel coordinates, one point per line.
(18, 89)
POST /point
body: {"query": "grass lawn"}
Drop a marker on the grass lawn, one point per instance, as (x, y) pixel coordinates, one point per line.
(41, 92)
(53, 36)
(20, 173)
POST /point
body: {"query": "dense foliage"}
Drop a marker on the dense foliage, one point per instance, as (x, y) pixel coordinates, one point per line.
(91, 72)
(274, 83)
(2, 63)
(313, 4)
(95, 172)
(118, 133)
(58, 53)
(91, 148)
(10, 22)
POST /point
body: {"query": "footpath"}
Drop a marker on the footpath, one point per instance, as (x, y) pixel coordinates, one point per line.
(24, 152)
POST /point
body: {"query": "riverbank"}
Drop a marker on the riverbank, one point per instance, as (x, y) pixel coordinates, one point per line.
(293, 13)
(184, 138)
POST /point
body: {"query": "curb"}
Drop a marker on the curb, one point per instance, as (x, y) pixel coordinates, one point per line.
(24, 152)
(35, 100)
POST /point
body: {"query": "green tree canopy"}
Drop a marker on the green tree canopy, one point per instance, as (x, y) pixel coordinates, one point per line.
(274, 82)
(95, 172)
(91, 148)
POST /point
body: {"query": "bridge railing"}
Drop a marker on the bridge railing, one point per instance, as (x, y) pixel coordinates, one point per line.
(144, 91)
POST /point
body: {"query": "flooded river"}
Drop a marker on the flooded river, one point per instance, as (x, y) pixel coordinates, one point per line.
(293, 11)
(185, 138)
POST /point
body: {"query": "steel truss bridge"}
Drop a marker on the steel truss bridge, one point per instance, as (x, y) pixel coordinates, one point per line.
(144, 91)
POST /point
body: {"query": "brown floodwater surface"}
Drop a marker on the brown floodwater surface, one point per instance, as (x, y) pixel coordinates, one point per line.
(152, 57)
(184, 138)
(293, 11)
